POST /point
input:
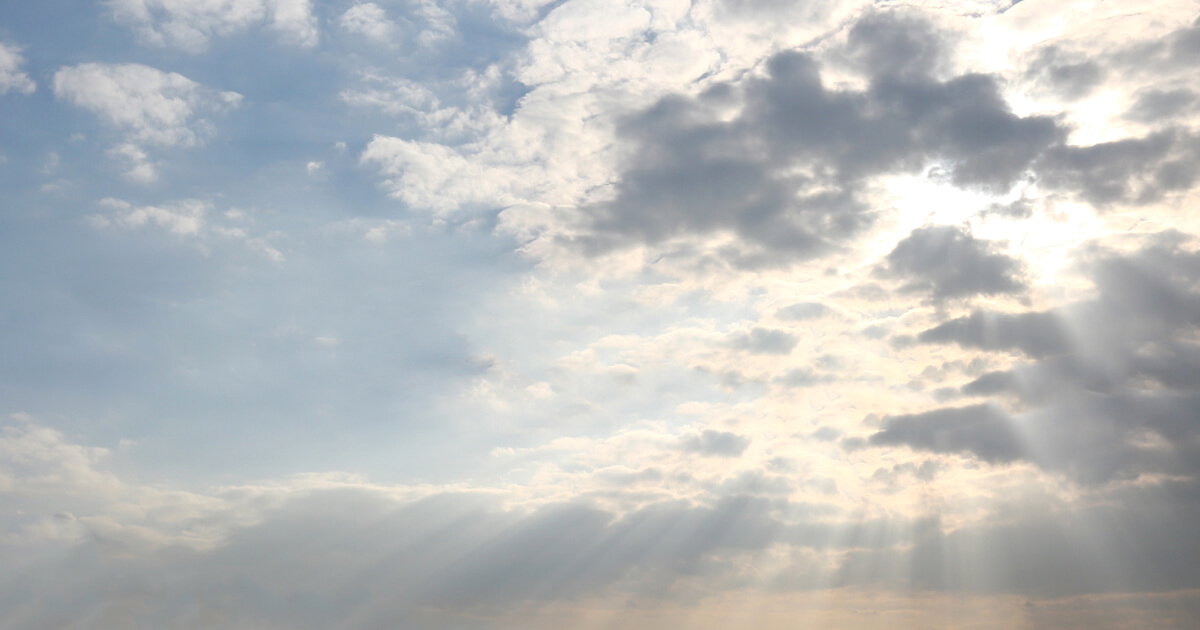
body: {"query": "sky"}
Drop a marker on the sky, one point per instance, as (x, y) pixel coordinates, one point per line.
(599, 314)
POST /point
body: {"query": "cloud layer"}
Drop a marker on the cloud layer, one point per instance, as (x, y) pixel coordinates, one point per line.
(645, 314)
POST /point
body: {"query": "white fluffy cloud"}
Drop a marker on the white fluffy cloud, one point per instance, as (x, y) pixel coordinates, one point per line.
(12, 79)
(370, 20)
(151, 108)
(191, 24)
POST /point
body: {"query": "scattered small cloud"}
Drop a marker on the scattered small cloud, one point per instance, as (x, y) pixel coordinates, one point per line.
(12, 79)
(191, 26)
(149, 107)
(716, 443)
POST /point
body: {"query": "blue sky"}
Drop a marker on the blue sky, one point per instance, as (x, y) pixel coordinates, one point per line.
(599, 314)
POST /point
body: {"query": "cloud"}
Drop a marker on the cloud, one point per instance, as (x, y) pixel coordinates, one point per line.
(370, 20)
(434, 176)
(650, 438)
(185, 218)
(295, 22)
(11, 77)
(155, 107)
(190, 25)
(1178, 50)
(315, 551)
(1041, 553)
(948, 262)
(765, 341)
(716, 443)
(897, 45)
(335, 537)
(781, 160)
(1035, 334)
(332, 557)
(1071, 77)
(1132, 170)
(1114, 381)
(982, 430)
(150, 107)
(803, 377)
(1155, 105)
(803, 311)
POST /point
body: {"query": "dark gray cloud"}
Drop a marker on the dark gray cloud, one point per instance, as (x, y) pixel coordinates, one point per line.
(1092, 439)
(1145, 300)
(766, 341)
(786, 171)
(1154, 106)
(782, 159)
(1178, 50)
(990, 384)
(899, 473)
(946, 261)
(1070, 76)
(1115, 386)
(897, 45)
(802, 311)
(1019, 209)
(1135, 170)
(1035, 334)
(716, 443)
(982, 430)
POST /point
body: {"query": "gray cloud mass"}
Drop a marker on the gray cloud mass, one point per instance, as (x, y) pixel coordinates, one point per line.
(716, 443)
(1114, 388)
(948, 262)
(786, 172)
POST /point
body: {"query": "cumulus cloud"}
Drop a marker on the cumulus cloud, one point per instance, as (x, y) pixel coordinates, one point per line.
(781, 160)
(1155, 105)
(981, 430)
(186, 217)
(1113, 384)
(190, 25)
(370, 20)
(12, 79)
(765, 341)
(1035, 334)
(716, 443)
(948, 262)
(151, 108)
(1132, 170)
